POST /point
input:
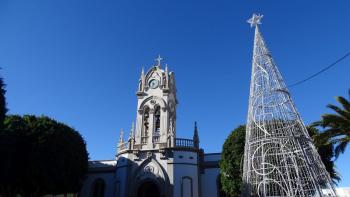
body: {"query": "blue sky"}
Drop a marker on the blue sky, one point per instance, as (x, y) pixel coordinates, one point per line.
(79, 61)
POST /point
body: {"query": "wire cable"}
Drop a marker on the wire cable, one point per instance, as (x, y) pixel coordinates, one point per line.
(321, 71)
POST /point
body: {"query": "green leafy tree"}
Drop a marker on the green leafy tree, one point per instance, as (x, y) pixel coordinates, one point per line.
(231, 162)
(43, 157)
(5, 140)
(337, 126)
(3, 108)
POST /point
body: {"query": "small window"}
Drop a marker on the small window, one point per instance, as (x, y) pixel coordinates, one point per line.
(181, 156)
(191, 157)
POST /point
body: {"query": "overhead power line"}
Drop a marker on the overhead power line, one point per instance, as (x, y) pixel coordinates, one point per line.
(321, 71)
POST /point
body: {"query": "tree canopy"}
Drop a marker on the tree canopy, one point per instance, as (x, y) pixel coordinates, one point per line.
(231, 164)
(41, 156)
(3, 108)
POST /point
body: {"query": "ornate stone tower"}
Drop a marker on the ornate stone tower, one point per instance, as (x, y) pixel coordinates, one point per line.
(156, 108)
(152, 161)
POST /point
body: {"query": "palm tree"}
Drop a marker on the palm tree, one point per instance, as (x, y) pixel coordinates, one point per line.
(337, 126)
(326, 152)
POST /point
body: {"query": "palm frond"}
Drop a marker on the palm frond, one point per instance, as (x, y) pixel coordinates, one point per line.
(316, 123)
(345, 103)
(335, 121)
(340, 148)
(336, 177)
(340, 111)
(330, 136)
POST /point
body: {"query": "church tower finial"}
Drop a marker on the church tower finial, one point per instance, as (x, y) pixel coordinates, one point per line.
(195, 135)
(158, 60)
(141, 86)
(121, 137)
(132, 131)
(131, 139)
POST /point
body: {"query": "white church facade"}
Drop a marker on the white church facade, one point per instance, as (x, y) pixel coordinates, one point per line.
(153, 162)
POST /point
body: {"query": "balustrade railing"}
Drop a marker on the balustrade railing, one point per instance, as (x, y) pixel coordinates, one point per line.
(156, 137)
(123, 146)
(182, 142)
(179, 142)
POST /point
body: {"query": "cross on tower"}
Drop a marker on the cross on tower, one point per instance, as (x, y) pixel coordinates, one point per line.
(158, 59)
(255, 20)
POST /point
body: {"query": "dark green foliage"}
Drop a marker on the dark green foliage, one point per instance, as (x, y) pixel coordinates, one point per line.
(42, 156)
(232, 161)
(337, 126)
(326, 152)
(3, 108)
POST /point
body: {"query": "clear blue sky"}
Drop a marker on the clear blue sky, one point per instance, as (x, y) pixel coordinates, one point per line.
(79, 61)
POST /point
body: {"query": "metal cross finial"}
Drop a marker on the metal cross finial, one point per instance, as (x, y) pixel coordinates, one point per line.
(255, 20)
(158, 59)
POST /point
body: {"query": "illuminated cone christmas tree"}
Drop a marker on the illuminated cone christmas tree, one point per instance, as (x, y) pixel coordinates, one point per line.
(279, 159)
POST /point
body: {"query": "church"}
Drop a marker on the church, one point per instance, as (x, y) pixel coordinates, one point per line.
(153, 161)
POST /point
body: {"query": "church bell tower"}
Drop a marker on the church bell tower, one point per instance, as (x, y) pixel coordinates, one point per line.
(156, 108)
(152, 161)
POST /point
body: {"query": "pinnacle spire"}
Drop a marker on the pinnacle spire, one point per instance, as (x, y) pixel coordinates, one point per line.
(195, 135)
(279, 159)
(132, 130)
(121, 137)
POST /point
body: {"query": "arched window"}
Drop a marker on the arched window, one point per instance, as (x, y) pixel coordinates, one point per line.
(140, 85)
(98, 188)
(156, 124)
(186, 187)
(145, 125)
(157, 119)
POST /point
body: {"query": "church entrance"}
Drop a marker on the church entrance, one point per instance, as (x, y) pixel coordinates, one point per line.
(148, 189)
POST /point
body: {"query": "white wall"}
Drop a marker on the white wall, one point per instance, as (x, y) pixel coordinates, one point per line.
(185, 165)
(343, 192)
(209, 183)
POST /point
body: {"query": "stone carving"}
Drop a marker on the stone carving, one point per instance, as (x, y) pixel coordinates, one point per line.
(150, 170)
(149, 154)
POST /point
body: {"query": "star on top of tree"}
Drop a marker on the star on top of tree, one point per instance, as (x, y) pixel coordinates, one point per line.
(255, 20)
